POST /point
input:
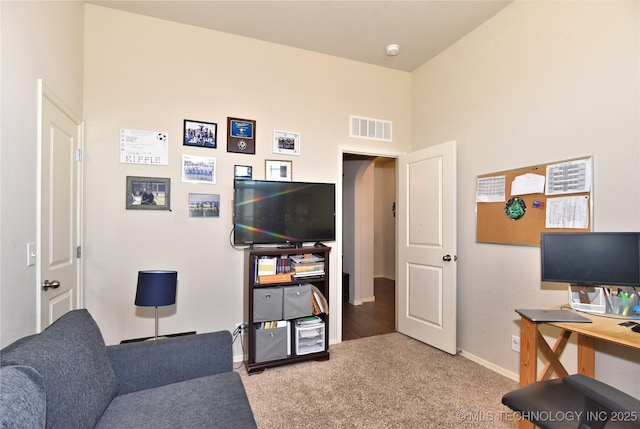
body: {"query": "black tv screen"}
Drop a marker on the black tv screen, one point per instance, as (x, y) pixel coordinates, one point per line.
(591, 258)
(266, 212)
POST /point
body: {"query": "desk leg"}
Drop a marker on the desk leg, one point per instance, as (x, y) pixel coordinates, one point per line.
(528, 351)
(586, 355)
(528, 358)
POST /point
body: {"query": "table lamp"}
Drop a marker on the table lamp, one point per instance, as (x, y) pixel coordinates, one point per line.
(156, 288)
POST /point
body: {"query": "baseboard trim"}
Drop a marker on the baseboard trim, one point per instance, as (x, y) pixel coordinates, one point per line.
(493, 367)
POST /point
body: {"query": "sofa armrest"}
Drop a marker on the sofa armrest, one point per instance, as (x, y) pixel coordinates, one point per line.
(148, 364)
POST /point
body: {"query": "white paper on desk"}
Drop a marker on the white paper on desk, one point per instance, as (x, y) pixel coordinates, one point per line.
(491, 189)
(528, 183)
(568, 212)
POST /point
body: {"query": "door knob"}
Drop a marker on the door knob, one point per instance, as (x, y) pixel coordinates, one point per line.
(446, 258)
(53, 285)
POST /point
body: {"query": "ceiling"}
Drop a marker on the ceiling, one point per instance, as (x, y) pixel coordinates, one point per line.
(358, 30)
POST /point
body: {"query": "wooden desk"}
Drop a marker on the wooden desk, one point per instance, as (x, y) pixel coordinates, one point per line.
(531, 342)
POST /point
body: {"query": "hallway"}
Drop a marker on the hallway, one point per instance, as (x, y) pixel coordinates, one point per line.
(371, 318)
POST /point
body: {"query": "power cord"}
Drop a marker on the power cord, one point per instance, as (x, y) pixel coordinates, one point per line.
(240, 329)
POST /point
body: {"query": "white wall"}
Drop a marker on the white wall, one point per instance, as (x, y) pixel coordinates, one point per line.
(384, 221)
(39, 40)
(148, 74)
(540, 82)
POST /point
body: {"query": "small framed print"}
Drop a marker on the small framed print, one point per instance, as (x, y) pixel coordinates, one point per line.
(200, 134)
(243, 172)
(278, 170)
(286, 142)
(148, 193)
(241, 135)
(204, 205)
(198, 169)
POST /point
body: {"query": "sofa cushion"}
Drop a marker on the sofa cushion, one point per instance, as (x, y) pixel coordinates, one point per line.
(22, 398)
(218, 401)
(71, 356)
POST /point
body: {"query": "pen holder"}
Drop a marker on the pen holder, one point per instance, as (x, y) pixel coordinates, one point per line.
(623, 305)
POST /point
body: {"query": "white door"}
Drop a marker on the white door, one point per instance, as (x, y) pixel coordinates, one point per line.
(59, 216)
(426, 212)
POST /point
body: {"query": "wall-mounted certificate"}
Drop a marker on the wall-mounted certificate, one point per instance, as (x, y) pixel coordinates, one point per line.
(241, 136)
(144, 147)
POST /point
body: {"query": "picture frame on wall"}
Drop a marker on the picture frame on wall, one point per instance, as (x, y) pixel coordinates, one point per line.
(198, 169)
(204, 205)
(243, 172)
(286, 142)
(148, 193)
(200, 134)
(278, 170)
(241, 135)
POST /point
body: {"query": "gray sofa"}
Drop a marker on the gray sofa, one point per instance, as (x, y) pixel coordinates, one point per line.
(65, 377)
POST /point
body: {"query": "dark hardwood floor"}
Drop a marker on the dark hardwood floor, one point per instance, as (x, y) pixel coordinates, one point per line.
(371, 318)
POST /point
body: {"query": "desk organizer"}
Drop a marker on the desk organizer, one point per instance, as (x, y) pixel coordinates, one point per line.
(623, 305)
(309, 339)
(597, 301)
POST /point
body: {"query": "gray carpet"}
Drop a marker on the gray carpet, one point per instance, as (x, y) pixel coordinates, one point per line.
(386, 381)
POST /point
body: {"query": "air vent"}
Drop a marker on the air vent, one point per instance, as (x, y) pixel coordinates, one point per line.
(368, 128)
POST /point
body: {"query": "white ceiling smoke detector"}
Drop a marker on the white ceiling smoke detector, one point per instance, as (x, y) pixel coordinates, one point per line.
(392, 50)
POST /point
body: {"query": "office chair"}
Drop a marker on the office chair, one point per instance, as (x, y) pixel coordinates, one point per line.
(574, 402)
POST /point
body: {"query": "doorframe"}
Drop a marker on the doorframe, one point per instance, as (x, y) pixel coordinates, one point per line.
(337, 271)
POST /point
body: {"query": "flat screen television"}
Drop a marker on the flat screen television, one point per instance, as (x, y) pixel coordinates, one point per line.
(591, 258)
(290, 213)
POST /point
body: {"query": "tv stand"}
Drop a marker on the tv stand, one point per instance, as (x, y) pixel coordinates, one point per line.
(276, 300)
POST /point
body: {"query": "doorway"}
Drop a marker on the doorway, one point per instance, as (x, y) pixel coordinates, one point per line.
(368, 224)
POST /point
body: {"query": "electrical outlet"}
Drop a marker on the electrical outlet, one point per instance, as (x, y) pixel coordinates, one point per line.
(515, 343)
(240, 327)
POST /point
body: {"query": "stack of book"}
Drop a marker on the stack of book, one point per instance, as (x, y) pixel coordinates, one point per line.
(308, 265)
(273, 269)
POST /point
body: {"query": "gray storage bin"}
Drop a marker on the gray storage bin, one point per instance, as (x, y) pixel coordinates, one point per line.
(297, 301)
(267, 304)
(271, 344)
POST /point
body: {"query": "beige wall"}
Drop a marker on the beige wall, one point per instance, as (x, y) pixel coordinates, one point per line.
(385, 223)
(40, 40)
(540, 82)
(149, 74)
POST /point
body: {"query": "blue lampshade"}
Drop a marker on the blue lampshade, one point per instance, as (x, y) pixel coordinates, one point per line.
(156, 288)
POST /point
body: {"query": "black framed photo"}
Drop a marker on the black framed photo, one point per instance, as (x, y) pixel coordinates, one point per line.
(148, 193)
(200, 134)
(243, 172)
(241, 135)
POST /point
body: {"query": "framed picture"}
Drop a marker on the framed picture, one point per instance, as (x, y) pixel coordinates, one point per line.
(204, 205)
(200, 134)
(278, 170)
(198, 169)
(241, 137)
(243, 172)
(286, 142)
(148, 193)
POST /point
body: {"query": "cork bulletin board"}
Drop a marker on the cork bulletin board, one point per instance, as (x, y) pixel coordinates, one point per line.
(515, 206)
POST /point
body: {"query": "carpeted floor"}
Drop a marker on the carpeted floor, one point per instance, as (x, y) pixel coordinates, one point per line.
(386, 381)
